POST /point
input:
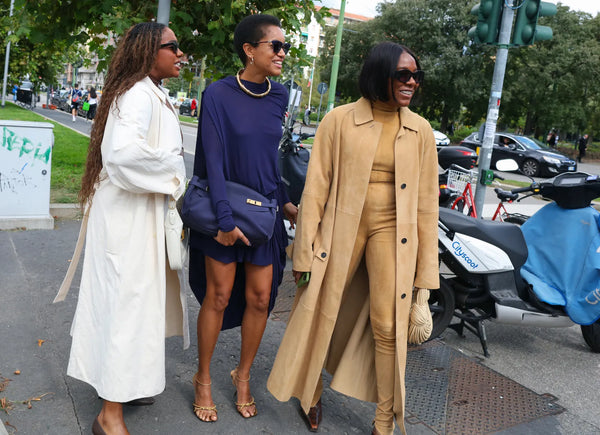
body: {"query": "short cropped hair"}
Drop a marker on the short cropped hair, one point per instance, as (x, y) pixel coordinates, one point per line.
(379, 67)
(251, 29)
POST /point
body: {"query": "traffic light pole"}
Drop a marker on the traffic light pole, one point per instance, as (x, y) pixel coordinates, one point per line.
(485, 153)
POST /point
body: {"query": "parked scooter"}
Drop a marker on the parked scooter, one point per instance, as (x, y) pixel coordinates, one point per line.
(545, 273)
(293, 162)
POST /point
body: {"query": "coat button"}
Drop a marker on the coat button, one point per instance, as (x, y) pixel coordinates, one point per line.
(323, 254)
(404, 240)
(403, 186)
(403, 295)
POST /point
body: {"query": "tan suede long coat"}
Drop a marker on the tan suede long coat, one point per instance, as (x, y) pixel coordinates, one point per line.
(329, 327)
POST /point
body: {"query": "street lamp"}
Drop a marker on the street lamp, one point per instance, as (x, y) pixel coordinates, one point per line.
(335, 66)
(12, 3)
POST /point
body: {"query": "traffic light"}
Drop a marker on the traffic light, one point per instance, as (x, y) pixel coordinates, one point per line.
(489, 14)
(526, 30)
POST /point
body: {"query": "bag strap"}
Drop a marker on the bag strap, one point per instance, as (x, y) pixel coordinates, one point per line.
(66, 284)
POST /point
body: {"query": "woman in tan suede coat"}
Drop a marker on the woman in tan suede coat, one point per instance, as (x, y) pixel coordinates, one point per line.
(373, 144)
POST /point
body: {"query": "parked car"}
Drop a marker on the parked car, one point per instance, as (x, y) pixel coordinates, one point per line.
(535, 159)
(61, 100)
(185, 108)
(441, 139)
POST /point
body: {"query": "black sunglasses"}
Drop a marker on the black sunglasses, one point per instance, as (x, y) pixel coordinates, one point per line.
(173, 46)
(404, 75)
(276, 45)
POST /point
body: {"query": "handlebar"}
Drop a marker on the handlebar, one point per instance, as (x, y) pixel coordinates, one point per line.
(505, 195)
(569, 190)
(458, 168)
(531, 188)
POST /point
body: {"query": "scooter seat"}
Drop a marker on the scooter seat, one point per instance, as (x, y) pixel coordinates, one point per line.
(505, 236)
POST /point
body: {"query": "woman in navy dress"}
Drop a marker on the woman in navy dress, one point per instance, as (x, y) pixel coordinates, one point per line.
(240, 127)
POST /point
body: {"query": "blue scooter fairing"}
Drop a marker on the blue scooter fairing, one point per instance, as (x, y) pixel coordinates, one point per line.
(563, 265)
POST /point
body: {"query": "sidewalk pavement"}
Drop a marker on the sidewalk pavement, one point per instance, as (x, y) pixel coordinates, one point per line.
(444, 387)
(41, 399)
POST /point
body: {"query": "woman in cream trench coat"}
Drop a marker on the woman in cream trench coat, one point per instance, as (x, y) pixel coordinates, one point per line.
(129, 299)
(329, 328)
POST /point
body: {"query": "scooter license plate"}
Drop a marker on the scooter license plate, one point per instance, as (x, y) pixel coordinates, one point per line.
(571, 168)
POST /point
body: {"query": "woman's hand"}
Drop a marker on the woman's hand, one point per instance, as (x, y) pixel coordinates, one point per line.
(230, 237)
(291, 213)
(297, 275)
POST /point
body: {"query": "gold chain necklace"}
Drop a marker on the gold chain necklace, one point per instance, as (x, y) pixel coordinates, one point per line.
(248, 91)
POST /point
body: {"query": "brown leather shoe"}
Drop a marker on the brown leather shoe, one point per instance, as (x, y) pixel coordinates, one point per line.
(314, 417)
(97, 429)
(142, 401)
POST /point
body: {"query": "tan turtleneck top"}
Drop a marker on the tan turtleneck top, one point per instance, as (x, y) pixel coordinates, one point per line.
(384, 156)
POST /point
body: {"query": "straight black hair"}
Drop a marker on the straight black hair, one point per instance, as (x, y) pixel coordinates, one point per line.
(251, 29)
(379, 67)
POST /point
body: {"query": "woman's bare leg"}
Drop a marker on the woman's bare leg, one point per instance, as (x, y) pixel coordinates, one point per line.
(258, 293)
(111, 418)
(219, 283)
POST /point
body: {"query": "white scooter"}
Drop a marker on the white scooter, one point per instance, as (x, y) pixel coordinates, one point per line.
(483, 264)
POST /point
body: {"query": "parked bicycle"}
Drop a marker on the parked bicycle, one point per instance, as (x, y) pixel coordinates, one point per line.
(460, 180)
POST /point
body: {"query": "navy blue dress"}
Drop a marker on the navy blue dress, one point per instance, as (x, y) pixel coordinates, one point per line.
(238, 137)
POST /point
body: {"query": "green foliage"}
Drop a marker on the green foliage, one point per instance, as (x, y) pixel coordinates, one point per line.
(461, 133)
(436, 31)
(552, 84)
(68, 154)
(51, 33)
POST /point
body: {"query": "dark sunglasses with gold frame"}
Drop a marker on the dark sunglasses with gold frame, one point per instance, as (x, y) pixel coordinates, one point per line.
(275, 45)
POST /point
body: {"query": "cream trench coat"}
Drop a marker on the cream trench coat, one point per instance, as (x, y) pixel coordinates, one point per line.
(329, 327)
(129, 299)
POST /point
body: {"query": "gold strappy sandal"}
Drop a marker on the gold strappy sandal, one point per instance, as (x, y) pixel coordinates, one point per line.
(197, 408)
(241, 407)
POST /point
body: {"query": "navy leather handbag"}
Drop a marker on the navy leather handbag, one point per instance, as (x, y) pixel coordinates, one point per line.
(252, 212)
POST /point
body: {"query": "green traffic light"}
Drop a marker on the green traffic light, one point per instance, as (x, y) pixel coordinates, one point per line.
(489, 14)
(526, 30)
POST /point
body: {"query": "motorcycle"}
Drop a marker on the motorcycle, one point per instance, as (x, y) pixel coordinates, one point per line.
(545, 273)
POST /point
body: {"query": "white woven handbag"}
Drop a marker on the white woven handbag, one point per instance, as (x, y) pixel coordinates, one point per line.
(175, 236)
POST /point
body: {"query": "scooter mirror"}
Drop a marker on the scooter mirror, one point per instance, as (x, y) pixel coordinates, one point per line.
(507, 165)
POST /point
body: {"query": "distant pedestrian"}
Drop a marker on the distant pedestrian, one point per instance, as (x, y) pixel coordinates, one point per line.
(307, 116)
(129, 298)
(551, 139)
(75, 100)
(582, 146)
(92, 99)
(14, 91)
(193, 107)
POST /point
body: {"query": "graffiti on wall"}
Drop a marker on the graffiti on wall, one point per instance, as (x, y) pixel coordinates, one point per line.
(25, 147)
(25, 165)
(13, 181)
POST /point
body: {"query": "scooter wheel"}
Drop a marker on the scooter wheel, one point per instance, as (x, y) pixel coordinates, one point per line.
(591, 335)
(441, 304)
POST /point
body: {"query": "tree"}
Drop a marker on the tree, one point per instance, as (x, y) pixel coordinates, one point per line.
(554, 84)
(203, 27)
(436, 31)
